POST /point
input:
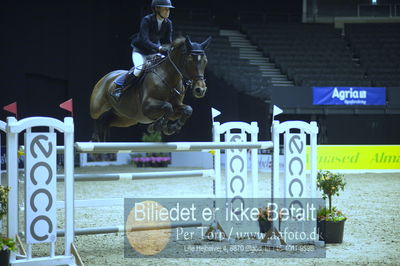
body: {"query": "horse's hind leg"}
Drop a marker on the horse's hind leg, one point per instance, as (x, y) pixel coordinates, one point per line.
(102, 127)
(96, 136)
(158, 125)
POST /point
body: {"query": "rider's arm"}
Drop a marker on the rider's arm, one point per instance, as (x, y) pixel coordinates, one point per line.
(145, 32)
(167, 38)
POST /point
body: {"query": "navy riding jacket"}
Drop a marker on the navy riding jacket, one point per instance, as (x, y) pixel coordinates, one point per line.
(149, 38)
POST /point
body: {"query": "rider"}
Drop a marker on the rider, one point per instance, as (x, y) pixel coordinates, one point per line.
(155, 31)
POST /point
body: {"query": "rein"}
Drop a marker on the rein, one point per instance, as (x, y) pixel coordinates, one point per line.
(187, 81)
(166, 84)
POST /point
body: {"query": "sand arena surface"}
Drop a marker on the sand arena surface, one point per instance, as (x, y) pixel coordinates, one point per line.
(371, 234)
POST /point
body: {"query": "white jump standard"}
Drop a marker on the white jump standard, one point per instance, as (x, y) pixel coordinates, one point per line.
(40, 156)
(41, 148)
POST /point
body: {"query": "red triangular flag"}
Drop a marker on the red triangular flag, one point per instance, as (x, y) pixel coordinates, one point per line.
(12, 108)
(67, 105)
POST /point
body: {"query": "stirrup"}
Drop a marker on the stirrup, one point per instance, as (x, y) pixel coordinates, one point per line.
(116, 93)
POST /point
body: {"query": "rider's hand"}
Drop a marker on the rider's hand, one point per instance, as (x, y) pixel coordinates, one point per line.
(162, 50)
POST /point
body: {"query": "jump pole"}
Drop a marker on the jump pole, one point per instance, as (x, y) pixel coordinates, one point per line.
(128, 147)
(3, 128)
(121, 229)
(141, 176)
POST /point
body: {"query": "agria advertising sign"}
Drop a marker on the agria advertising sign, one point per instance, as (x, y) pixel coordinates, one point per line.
(349, 96)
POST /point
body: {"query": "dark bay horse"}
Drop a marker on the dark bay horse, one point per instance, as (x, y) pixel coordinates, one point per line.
(156, 100)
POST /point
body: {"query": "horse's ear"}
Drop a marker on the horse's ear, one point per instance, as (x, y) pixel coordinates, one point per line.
(206, 43)
(188, 43)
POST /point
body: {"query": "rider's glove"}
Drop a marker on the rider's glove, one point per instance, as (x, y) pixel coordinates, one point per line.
(162, 50)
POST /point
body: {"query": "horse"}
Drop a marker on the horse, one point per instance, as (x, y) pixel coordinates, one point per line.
(157, 99)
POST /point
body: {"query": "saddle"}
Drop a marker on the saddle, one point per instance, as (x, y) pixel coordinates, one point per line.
(150, 61)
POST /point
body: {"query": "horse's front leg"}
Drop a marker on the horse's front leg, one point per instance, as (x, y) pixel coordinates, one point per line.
(182, 113)
(158, 111)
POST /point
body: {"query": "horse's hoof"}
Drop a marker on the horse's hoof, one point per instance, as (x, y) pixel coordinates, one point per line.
(175, 127)
(150, 129)
(168, 132)
(95, 139)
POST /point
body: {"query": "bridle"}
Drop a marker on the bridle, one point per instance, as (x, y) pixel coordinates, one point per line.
(188, 82)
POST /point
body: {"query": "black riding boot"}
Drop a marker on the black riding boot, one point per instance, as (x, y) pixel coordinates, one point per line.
(130, 79)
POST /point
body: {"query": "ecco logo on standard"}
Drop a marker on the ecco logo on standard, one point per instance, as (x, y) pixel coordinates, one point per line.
(236, 174)
(40, 187)
(295, 167)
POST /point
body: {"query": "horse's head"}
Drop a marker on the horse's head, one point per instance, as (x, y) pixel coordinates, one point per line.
(194, 64)
(196, 61)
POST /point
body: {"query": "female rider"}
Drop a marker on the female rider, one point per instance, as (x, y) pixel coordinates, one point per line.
(155, 31)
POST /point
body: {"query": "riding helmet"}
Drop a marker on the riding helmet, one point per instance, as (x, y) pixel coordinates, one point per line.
(161, 3)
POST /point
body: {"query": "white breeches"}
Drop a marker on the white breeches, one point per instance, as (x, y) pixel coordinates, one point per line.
(138, 61)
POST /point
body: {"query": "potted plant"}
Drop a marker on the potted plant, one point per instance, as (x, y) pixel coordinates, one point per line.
(330, 221)
(6, 244)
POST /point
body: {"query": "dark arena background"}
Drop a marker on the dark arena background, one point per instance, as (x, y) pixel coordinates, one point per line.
(262, 53)
(314, 59)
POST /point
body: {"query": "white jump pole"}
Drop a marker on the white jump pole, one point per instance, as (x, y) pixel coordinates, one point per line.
(12, 172)
(254, 160)
(127, 147)
(69, 183)
(141, 176)
(3, 128)
(313, 158)
(122, 229)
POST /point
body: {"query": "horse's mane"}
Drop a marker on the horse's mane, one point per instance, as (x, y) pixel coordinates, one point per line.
(178, 42)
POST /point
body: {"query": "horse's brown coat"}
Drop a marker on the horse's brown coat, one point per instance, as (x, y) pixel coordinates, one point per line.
(159, 99)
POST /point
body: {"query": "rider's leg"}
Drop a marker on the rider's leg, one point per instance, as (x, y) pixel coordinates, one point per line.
(134, 72)
(131, 76)
(138, 61)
